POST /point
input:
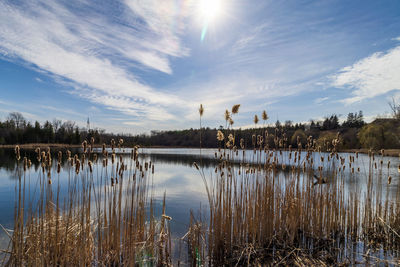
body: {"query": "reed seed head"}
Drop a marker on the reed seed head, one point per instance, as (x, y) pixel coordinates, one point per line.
(255, 119)
(227, 115)
(201, 110)
(235, 108)
(264, 115)
(220, 136)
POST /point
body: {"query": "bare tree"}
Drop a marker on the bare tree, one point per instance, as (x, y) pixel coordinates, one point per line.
(395, 107)
(56, 124)
(17, 118)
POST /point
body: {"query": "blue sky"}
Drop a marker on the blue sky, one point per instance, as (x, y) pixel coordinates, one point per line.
(138, 65)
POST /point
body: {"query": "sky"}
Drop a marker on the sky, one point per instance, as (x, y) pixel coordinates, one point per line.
(133, 66)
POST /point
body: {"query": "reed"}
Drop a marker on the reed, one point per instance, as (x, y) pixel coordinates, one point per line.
(291, 207)
(105, 218)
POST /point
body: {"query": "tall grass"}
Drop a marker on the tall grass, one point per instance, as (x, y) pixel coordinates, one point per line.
(106, 217)
(291, 207)
(267, 206)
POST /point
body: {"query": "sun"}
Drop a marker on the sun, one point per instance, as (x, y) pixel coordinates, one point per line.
(209, 10)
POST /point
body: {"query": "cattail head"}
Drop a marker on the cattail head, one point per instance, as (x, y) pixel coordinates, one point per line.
(201, 110)
(84, 146)
(241, 143)
(25, 164)
(112, 143)
(17, 153)
(77, 166)
(90, 166)
(235, 108)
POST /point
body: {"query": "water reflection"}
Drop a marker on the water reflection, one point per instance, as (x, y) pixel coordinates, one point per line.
(184, 188)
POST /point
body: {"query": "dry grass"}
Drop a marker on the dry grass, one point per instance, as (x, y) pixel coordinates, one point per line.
(275, 213)
(106, 218)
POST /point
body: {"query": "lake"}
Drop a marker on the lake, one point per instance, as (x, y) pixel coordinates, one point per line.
(175, 176)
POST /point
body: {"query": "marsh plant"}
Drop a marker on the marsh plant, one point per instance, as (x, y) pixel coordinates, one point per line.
(106, 218)
(291, 207)
(268, 204)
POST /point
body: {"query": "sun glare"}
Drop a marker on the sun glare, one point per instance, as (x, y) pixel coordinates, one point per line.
(209, 9)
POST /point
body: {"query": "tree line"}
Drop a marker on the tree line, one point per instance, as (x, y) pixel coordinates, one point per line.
(354, 133)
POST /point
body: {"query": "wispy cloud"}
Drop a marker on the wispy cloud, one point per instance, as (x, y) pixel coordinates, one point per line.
(372, 76)
(320, 100)
(99, 55)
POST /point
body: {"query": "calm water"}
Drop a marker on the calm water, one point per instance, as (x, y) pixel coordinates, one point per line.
(182, 183)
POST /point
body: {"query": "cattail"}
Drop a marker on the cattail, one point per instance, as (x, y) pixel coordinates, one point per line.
(59, 156)
(231, 121)
(25, 164)
(77, 166)
(152, 169)
(201, 110)
(92, 140)
(29, 164)
(235, 108)
(84, 146)
(90, 166)
(58, 167)
(112, 143)
(389, 179)
(17, 153)
(104, 149)
(255, 119)
(220, 136)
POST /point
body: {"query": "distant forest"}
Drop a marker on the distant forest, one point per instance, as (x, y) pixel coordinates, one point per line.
(354, 133)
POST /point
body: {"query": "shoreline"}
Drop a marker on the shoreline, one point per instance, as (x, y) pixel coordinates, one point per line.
(387, 152)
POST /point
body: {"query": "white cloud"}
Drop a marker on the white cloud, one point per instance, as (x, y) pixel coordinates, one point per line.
(372, 76)
(96, 53)
(320, 100)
